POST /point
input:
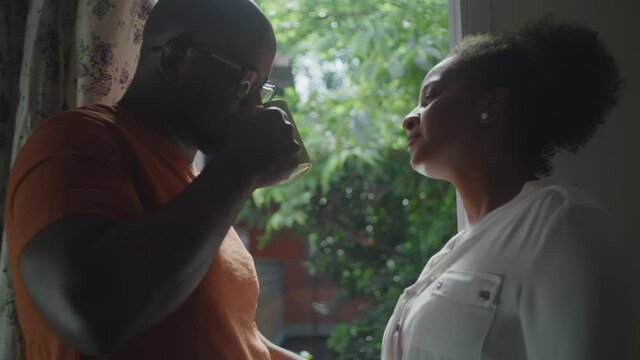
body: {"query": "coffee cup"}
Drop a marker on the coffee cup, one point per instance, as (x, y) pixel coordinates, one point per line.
(304, 161)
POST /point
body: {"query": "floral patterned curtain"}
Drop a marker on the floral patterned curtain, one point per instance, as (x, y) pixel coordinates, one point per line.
(57, 55)
(13, 16)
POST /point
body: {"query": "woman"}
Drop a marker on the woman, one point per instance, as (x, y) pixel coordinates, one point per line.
(541, 272)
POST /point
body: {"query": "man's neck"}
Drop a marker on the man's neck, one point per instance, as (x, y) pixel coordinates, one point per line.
(156, 118)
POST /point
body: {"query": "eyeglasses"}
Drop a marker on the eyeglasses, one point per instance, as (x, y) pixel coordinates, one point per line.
(251, 80)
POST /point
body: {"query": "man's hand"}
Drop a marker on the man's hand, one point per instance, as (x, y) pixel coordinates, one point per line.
(261, 143)
(278, 353)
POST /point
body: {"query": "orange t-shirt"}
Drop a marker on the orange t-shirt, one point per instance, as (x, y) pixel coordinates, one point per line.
(102, 160)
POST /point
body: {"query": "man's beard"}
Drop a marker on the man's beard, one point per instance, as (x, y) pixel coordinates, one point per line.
(203, 129)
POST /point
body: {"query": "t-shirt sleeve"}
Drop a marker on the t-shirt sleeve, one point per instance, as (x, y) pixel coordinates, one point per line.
(578, 301)
(72, 165)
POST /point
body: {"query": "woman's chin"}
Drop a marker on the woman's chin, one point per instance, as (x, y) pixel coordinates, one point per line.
(420, 169)
(426, 170)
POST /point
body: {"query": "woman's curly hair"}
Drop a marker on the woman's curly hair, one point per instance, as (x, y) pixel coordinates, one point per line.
(561, 78)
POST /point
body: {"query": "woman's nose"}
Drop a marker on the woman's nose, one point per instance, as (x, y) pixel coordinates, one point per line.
(411, 120)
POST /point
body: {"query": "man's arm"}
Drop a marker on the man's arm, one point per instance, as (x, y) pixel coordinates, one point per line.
(98, 282)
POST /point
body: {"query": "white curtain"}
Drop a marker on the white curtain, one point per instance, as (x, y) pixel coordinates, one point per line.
(56, 55)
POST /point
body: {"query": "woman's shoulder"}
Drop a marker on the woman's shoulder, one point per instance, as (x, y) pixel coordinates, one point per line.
(561, 197)
(574, 219)
(559, 210)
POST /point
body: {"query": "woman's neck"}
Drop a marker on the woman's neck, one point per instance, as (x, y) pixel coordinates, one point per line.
(489, 188)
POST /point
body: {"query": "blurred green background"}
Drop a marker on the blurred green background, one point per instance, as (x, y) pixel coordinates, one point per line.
(370, 222)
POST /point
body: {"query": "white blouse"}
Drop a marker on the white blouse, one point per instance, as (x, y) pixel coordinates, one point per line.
(549, 275)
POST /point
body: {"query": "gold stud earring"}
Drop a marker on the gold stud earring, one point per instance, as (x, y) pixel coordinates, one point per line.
(484, 118)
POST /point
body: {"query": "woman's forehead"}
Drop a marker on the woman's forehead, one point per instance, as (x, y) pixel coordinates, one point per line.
(437, 72)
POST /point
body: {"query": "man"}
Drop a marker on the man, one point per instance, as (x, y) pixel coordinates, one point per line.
(117, 249)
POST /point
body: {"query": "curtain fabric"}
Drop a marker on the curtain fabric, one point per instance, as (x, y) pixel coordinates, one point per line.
(54, 56)
(13, 16)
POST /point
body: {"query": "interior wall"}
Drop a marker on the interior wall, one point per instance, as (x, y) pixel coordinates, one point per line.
(609, 166)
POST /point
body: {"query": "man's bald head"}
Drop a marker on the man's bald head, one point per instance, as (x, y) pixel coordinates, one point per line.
(186, 94)
(236, 29)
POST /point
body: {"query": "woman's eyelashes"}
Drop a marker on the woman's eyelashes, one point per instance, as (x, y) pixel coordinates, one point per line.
(426, 99)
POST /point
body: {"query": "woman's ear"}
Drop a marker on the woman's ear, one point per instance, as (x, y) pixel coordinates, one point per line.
(498, 105)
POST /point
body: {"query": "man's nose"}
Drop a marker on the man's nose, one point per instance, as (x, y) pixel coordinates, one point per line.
(412, 119)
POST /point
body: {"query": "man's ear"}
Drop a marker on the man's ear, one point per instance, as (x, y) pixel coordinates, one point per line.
(170, 58)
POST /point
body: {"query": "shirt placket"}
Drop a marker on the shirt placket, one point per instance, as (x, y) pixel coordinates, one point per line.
(410, 294)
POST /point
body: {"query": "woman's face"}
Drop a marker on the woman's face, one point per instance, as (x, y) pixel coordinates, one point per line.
(443, 128)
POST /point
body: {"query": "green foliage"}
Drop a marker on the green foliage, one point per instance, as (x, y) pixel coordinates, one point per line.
(370, 221)
(373, 234)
